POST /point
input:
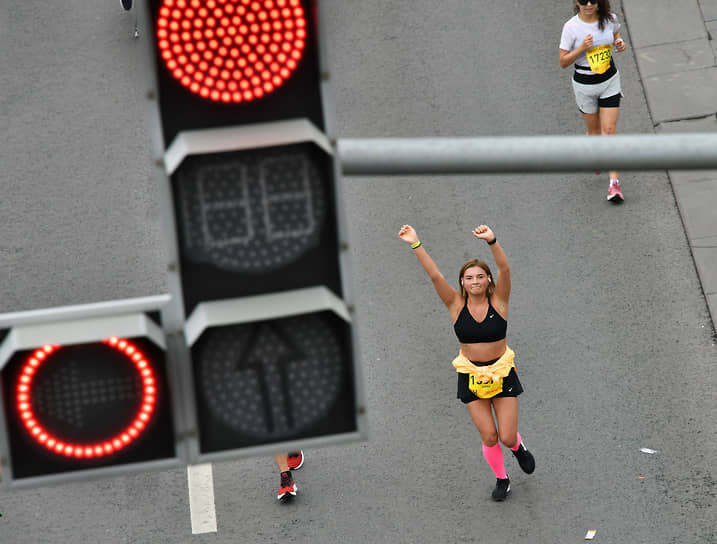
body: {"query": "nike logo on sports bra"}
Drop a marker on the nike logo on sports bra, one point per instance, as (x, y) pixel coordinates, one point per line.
(470, 331)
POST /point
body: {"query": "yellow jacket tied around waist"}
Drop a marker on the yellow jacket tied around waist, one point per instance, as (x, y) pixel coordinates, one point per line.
(493, 372)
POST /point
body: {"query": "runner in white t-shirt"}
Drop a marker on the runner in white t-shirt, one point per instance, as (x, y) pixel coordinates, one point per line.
(587, 41)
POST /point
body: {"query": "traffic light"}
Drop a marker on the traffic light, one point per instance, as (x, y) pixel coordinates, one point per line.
(83, 397)
(255, 233)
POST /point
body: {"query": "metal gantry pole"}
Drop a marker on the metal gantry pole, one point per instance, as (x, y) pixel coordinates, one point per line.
(526, 154)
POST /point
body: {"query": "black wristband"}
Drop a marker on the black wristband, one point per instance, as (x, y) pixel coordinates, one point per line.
(493, 241)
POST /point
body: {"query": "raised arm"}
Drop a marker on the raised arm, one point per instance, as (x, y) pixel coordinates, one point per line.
(501, 294)
(448, 295)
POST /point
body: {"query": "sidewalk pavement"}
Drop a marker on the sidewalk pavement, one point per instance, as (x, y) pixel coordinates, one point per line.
(675, 44)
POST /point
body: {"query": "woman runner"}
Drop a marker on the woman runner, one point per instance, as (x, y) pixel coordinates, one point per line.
(487, 380)
(587, 41)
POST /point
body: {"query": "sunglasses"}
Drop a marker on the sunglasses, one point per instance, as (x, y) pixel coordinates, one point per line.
(585, 2)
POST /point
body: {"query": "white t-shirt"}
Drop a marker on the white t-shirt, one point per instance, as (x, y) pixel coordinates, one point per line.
(575, 30)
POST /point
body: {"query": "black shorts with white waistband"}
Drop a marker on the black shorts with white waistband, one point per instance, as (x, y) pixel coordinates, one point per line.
(511, 385)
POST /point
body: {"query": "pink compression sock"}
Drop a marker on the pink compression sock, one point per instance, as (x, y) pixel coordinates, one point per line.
(518, 443)
(494, 456)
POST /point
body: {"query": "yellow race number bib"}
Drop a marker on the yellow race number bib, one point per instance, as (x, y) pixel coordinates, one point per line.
(599, 58)
(484, 390)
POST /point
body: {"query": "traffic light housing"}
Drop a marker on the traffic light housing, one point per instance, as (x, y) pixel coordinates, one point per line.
(84, 397)
(255, 230)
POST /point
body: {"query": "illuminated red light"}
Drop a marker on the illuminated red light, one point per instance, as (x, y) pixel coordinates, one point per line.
(24, 406)
(251, 35)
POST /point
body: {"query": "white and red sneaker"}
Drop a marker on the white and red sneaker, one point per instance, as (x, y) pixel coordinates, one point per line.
(287, 487)
(296, 459)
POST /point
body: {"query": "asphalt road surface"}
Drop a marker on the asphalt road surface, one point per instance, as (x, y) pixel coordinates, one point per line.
(613, 340)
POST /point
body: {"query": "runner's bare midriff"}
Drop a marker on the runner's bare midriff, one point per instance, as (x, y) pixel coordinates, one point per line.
(484, 351)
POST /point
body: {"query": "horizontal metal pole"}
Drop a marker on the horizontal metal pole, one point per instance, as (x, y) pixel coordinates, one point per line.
(526, 154)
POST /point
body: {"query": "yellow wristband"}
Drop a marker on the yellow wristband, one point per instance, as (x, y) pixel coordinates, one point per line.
(416, 245)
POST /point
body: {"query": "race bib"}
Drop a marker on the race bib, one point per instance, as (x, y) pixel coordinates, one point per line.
(599, 58)
(484, 390)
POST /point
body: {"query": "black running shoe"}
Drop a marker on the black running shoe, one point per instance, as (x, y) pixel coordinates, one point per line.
(126, 4)
(525, 459)
(502, 488)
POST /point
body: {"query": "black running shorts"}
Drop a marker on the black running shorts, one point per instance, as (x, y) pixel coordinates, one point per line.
(511, 387)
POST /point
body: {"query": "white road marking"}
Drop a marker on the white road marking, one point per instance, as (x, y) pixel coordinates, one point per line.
(202, 511)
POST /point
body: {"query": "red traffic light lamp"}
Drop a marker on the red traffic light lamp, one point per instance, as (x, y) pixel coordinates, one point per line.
(25, 401)
(231, 51)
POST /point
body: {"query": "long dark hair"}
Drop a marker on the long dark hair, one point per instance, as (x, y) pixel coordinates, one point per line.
(604, 13)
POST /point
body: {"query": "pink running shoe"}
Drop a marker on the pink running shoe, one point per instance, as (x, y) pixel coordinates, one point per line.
(614, 194)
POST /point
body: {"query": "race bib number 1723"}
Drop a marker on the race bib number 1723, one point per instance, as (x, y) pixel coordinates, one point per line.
(599, 58)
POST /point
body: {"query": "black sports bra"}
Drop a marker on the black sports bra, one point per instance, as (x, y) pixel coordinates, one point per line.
(469, 331)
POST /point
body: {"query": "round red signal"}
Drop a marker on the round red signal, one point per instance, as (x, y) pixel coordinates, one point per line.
(231, 50)
(23, 396)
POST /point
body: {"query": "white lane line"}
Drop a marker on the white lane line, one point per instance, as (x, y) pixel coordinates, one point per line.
(201, 498)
